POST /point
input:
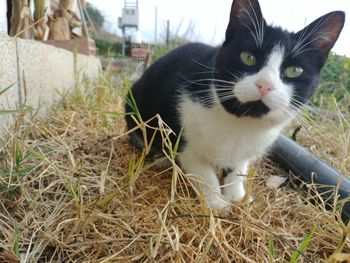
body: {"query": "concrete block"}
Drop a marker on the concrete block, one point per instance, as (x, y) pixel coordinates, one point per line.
(45, 72)
(89, 66)
(8, 76)
(40, 73)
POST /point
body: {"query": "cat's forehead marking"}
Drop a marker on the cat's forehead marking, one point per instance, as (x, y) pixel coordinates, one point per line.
(275, 58)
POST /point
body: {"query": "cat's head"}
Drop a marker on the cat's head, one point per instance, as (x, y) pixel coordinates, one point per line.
(263, 71)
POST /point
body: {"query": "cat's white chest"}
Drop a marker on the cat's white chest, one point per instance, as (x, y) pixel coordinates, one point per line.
(221, 139)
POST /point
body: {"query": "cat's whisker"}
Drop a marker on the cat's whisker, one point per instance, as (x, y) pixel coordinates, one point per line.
(219, 87)
(303, 37)
(203, 65)
(295, 114)
(257, 23)
(310, 109)
(222, 99)
(232, 75)
(222, 96)
(226, 93)
(252, 34)
(207, 100)
(208, 91)
(198, 84)
(299, 116)
(301, 121)
(209, 85)
(202, 72)
(292, 111)
(248, 110)
(254, 31)
(260, 26)
(211, 80)
(305, 41)
(224, 87)
(302, 49)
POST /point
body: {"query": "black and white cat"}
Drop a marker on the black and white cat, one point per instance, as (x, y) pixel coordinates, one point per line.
(233, 101)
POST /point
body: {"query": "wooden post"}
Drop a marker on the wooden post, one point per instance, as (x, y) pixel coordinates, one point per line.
(21, 19)
(40, 29)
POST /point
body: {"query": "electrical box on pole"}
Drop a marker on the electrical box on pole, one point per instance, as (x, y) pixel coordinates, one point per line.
(129, 18)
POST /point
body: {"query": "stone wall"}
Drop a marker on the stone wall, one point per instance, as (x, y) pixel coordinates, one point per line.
(38, 73)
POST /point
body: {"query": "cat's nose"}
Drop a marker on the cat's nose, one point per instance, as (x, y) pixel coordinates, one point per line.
(264, 86)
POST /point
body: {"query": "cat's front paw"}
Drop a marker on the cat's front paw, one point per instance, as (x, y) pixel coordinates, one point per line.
(218, 203)
(234, 193)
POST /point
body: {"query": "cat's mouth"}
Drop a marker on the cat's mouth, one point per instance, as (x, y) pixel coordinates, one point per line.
(254, 109)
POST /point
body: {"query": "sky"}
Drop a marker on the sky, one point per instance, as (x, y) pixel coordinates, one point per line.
(210, 17)
(3, 16)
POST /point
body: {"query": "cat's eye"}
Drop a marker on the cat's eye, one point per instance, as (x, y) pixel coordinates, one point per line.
(293, 72)
(248, 58)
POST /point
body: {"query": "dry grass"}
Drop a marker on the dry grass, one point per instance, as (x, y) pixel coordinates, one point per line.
(327, 132)
(70, 193)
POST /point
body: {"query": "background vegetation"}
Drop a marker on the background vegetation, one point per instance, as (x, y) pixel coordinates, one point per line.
(108, 48)
(107, 43)
(337, 70)
(96, 16)
(335, 83)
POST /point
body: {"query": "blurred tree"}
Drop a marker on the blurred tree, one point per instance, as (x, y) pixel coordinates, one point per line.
(337, 70)
(96, 16)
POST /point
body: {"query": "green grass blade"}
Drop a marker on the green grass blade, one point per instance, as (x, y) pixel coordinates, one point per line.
(177, 144)
(296, 254)
(6, 89)
(271, 246)
(130, 100)
(24, 109)
(110, 113)
(16, 242)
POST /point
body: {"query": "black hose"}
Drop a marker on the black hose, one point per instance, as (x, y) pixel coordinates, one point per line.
(300, 162)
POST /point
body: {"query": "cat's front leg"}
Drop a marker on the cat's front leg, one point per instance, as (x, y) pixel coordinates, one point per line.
(204, 177)
(234, 182)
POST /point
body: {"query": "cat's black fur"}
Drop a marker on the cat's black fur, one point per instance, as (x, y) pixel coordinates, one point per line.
(191, 69)
(159, 88)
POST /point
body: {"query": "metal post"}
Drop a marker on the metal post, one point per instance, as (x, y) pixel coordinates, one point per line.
(86, 31)
(91, 23)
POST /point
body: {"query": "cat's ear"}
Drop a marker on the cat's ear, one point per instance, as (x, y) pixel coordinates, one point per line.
(245, 14)
(322, 33)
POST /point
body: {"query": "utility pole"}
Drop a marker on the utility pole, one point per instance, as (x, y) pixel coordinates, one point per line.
(167, 32)
(155, 24)
(123, 42)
